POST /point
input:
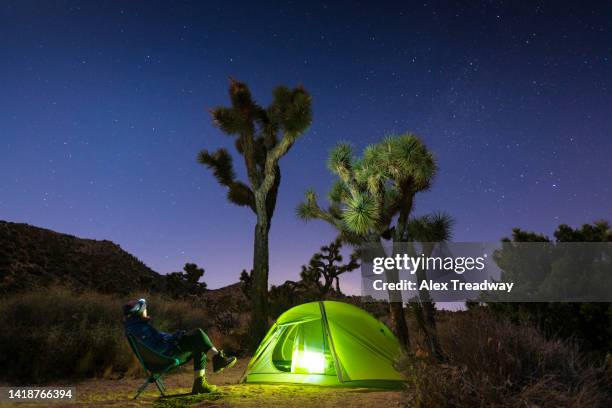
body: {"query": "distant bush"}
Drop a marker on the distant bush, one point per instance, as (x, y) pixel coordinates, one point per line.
(551, 268)
(59, 334)
(492, 362)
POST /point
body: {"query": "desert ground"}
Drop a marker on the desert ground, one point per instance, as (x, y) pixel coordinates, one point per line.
(119, 393)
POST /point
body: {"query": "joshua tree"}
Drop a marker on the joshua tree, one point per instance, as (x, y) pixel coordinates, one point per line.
(246, 281)
(373, 198)
(187, 281)
(262, 137)
(428, 230)
(323, 265)
(193, 273)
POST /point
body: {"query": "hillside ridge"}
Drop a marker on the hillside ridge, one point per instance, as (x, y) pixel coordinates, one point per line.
(32, 256)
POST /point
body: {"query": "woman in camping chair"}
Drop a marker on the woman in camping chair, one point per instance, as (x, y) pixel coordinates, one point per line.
(137, 323)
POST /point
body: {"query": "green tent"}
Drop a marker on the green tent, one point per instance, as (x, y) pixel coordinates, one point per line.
(326, 343)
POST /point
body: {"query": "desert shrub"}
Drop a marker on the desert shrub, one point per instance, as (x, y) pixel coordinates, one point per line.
(493, 362)
(59, 333)
(589, 324)
(551, 269)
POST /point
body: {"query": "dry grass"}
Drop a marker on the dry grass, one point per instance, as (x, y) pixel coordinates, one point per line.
(58, 333)
(494, 363)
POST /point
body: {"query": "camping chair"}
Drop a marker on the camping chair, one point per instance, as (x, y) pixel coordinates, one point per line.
(155, 364)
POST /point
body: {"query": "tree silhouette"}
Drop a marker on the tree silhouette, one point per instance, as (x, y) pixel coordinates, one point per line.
(262, 137)
(373, 199)
(325, 265)
(429, 230)
(187, 281)
(193, 273)
(590, 323)
(246, 281)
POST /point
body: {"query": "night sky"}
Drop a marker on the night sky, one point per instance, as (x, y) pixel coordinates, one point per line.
(103, 109)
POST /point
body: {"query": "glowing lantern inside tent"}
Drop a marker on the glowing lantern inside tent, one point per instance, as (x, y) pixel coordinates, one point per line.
(307, 362)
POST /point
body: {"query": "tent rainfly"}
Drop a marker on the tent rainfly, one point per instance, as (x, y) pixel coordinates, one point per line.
(326, 343)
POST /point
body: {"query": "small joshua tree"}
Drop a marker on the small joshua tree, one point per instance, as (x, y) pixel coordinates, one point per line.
(262, 137)
(187, 281)
(246, 281)
(325, 265)
(193, 274)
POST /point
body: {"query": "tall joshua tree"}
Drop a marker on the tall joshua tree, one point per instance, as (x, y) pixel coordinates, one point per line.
(373, 198)
(262, 137)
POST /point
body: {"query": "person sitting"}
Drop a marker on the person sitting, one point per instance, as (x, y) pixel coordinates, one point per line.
(137, 323)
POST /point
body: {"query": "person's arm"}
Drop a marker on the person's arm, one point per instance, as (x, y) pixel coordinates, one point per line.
(167, 337)
(158, 334)
(177, 335)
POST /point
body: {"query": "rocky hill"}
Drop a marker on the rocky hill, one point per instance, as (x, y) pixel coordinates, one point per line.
(37, 257)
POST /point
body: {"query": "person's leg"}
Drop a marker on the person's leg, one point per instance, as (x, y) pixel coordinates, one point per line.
(198, 343)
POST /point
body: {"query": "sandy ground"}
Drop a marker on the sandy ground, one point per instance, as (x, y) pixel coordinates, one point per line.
(119, 393)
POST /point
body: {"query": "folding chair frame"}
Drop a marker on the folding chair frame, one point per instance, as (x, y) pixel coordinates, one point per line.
(153, 377)
(157, 379)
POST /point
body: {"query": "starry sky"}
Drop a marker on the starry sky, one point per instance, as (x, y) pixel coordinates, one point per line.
(103, 109)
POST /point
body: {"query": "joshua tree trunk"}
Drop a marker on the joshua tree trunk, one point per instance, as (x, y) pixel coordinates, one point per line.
(399, 322)
(428, 320)
(259, 294)
(396, 303)
(425, 314)
(398, 316)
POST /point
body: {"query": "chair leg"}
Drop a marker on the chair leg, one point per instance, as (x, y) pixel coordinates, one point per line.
(160, 385)
(143, 387)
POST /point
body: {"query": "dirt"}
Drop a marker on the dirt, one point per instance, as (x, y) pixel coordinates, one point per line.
(119, 393)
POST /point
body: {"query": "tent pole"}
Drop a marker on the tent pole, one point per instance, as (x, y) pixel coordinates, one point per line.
(331, 343)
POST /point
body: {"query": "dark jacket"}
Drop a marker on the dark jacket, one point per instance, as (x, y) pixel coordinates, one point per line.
(159, 341)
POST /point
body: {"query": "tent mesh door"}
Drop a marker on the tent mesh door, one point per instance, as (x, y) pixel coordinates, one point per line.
(303, 349)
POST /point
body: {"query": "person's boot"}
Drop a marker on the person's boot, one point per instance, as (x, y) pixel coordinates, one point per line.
(201, 386)
(221, 361)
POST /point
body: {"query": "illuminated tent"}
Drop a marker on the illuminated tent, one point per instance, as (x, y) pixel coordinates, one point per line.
(326, 343)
